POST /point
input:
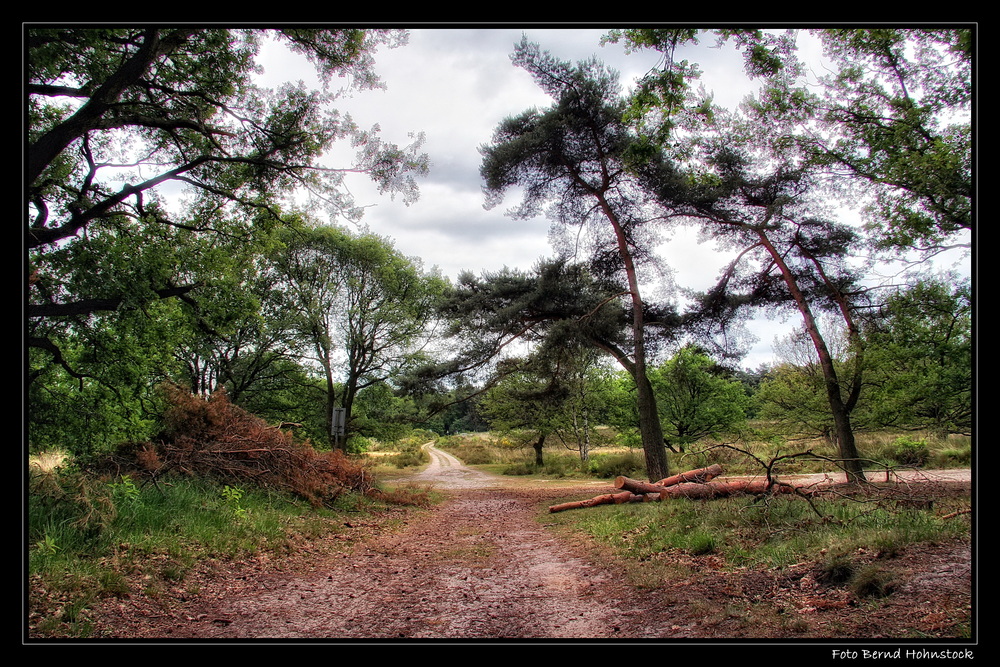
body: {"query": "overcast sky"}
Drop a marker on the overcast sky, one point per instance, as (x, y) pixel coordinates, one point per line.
(455, 86)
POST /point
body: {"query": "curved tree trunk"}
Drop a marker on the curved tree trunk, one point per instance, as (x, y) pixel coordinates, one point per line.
(649, 417)
(850, 459)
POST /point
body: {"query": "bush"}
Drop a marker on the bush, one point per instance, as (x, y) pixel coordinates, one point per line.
(906, 451)
(474, 454)
(628, 464)
(359, 444)
(951, 456)
(520, 468)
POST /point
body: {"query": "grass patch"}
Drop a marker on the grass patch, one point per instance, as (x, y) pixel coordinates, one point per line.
(767, 533)
(91, 539)
(873, 582)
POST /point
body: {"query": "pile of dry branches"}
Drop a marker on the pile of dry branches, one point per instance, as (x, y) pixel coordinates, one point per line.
(214, 438)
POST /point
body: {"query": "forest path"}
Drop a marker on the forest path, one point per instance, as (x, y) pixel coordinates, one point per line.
(482, 566)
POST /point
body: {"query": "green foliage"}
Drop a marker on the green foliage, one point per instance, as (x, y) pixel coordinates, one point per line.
(92, 538)
(472, 451)
(356, 307)
(609, 466)
(901, 99)
(520, 468)
(951, 457)
(917, 363)
(920, 354)
(892, 114)
(747, 532)
(910, 452)
(126, 291)
(696, 399)
(47, 546)
(572, 161)
(124, 490)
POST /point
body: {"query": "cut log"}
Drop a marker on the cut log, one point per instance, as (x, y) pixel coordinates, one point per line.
(700, 475)
(693, 476)
(731, 488)
(637, 486)
(606, 499)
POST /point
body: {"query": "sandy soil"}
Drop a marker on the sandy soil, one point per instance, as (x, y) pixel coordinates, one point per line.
(482, 566)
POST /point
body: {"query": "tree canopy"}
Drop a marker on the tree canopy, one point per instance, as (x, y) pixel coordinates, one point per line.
(572, 161)
(156, 168)
(888, 116)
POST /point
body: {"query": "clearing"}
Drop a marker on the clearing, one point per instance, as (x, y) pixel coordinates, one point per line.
(482, 566)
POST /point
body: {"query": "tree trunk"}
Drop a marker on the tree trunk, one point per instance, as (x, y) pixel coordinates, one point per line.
(649, 417)
(731, 488)
(538, 450)
(850, 460)
(698, 476)
(638, 491)
(606, 499)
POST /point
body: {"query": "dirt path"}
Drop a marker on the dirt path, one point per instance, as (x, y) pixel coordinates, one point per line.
(481, 566)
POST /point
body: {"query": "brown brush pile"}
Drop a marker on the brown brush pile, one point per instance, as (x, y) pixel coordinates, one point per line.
(216, 439)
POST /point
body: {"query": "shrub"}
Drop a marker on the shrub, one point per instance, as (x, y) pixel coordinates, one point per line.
(520, 468)
(628, 464)
(910, 452)
(555, 467)
(952, 456)
(359, 444)
(475, 454)
(409, 458)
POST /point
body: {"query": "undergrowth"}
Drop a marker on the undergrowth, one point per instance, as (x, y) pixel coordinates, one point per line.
(219, 484)
(772, 532)
(741, 454)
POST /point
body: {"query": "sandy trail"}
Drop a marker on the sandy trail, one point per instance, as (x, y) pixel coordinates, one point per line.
(482, 566)
(479, 566)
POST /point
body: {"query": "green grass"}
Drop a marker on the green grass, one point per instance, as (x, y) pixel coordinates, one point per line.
(738, 455)
(749, 532)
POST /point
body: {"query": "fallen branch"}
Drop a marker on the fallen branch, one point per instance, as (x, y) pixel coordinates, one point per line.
(693, 484)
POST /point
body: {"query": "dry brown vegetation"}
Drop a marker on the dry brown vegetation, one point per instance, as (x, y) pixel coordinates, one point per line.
(212, 438)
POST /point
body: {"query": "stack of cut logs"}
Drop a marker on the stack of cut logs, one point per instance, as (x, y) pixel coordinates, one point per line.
(692, 484)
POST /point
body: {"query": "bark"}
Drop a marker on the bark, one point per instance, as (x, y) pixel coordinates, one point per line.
(649, 418)
(697, 475)
(700, 475)
(53, 142)
(731, 488)
(851, 460)
(606, 499)
(89, 306)
(538, 450)
(692, 484)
